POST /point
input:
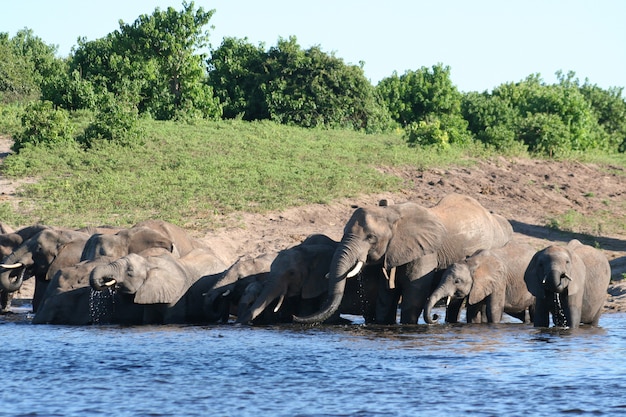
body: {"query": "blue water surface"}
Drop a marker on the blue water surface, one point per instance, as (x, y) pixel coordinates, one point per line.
(292, 370)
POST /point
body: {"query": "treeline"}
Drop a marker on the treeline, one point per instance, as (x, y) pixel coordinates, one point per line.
(154, 68)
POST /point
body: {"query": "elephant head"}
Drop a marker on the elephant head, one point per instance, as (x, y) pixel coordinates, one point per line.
(554, 270)
(132, 240)
(218, 298)
(389, 236)
(297, 271)
(456, 283)
(152, 279)
(34, 256)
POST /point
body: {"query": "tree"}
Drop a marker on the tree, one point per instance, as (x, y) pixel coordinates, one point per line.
(154, 62)
(308, 88)
(28, 66)
(426, 100)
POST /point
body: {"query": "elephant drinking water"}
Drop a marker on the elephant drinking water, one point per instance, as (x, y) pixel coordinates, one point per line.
(410, 243)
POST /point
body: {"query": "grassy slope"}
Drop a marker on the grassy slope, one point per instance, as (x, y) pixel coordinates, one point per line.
(191, 174)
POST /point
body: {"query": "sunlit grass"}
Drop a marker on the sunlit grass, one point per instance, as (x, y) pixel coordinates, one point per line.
(194, 174)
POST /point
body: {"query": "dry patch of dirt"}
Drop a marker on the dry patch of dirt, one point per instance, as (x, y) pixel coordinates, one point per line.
(527, 192)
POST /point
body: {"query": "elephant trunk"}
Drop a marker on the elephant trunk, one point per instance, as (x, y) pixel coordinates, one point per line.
(347, 262)
(556, 281)
(102, 277)
(438, 294)
(12, 277)
(268, 294)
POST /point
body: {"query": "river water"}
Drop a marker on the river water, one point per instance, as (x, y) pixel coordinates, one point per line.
(507, 369)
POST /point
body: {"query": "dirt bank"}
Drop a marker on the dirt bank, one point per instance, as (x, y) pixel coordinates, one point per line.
(527, 192)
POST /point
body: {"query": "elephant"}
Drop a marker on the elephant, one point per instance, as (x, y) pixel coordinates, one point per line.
(571, 282)
(158, 281)
(491, 281)
(10, 239)
(411, 244)
(297, 278)
(35, 256)
(228, 289)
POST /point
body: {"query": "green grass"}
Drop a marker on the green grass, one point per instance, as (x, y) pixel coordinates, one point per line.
(193, 174)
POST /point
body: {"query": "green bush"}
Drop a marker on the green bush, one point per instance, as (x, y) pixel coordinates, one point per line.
(43, 124)
(115, 121)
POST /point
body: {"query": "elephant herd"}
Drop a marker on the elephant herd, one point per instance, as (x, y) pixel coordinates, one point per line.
(391, 257)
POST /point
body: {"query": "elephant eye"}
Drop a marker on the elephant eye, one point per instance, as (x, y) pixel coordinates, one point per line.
(371, 238)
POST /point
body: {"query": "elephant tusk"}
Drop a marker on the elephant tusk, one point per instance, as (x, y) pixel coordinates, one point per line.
(545, 277)
(12, 266)
(280, 303)
(226, 293)
(355, 270)
(109, 283)
(448, 301)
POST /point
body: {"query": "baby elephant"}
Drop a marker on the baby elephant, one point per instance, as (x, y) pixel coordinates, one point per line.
(571, 282)
(493, 282)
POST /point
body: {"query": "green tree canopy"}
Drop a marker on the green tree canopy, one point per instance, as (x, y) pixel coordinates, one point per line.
(307, 88)
(153, 62)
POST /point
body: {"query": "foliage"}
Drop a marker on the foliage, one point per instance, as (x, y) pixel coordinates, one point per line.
(427, 104)
(42, 124)
(154, 61)
(116, 121)
(307, 88)
(551, 120)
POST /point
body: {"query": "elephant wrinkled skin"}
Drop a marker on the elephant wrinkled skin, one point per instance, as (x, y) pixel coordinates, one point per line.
(570, 281)
(491, 281)
(410, 244)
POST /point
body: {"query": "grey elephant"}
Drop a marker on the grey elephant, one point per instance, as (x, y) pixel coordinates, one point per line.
(160, 282)
(297, 284)
(10, 240)
(68, 298)
(221, 299)
(35, 255)
(410, 243)
(492, 282)
(570, 281)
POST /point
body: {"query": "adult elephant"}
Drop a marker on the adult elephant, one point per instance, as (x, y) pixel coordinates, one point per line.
(570, 281)
(10, 240)
(68, 298)
(410, 243)
(35, 256)
(159, 281)
(220, 299)
(491, 281)
(298, 275)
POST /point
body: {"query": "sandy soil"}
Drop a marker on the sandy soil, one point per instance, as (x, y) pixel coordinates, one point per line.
(527, 192)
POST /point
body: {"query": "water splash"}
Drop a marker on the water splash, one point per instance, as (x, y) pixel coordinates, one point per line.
(102, 306)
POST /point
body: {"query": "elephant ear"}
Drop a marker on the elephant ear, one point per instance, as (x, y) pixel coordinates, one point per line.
(487, 273)
(415, 233)
(165, 281)
(578, 272)
(145, 238)
(316, 283)
(534, 275)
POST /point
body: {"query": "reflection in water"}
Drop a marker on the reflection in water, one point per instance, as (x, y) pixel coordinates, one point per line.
(292, 370)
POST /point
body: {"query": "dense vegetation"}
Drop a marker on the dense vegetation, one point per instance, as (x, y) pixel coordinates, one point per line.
(245, 127)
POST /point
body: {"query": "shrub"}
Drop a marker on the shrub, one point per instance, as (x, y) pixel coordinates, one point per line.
(43, 124)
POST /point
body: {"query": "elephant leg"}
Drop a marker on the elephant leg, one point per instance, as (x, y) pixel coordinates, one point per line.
(453, 310)
(473, 313)
(387, 305)
(41, 285)
(573, 312)
(494, 312)
(5, 301)
(414, 297)
(542, 313)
